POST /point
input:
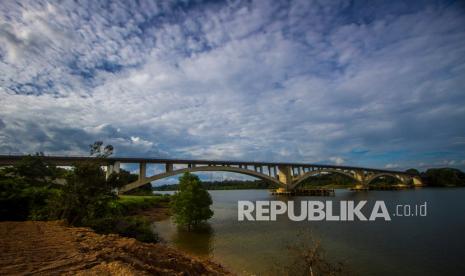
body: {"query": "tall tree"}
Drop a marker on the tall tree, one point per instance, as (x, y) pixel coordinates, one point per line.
(191, 205)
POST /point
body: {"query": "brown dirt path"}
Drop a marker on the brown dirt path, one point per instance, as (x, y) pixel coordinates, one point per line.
(51, 248)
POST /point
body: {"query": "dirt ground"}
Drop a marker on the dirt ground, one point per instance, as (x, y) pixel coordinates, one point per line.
(51, 248)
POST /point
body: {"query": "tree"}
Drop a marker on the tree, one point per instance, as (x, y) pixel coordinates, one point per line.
(34, 170)
(413, 171)
(191, 205)
(87, 194)
(25, 188)
(97, 149)
(444, 177)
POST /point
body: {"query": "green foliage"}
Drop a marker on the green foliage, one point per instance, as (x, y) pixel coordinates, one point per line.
(129, 226)
(191, 205)
(34, 170)
(332, 179)
(14, 203)
(385, 180)
(127, 177)
(26, 188)
(88, 199)
(444, 177)
(85, 196)
(131, 204)
(40, 206)
(225, 185)
(413, 171)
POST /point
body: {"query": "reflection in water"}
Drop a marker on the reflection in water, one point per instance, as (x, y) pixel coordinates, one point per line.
(198, 242)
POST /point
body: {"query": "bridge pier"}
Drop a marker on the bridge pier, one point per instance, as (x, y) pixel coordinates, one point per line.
(359, 175)
(284, 175)
(142, 171)
(416, 181)
(116, 166)
(109, 171)
(112, 168)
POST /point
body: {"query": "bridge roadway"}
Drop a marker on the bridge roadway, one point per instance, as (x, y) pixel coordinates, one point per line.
(286, 175)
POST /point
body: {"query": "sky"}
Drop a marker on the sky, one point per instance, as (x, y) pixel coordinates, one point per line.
(363, 83)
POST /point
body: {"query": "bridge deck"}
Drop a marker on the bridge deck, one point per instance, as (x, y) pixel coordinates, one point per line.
(70, 160)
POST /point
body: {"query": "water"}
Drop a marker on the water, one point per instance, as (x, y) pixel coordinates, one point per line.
(429, 245)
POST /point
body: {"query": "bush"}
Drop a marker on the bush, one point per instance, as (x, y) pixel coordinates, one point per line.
(131, 204)
(40, 198)
(14, 204)
(19, 200)
(131, 227)
(87, 195)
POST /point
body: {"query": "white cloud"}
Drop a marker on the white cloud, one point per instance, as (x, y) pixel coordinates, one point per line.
(337, 160)
(239, 81)
(391, 166)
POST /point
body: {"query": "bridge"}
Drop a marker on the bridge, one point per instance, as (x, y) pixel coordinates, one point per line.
(285, 175)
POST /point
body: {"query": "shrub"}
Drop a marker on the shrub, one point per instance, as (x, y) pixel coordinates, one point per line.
(14, 204)
(131, 227)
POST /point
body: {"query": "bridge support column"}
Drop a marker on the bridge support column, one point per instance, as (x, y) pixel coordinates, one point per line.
(284, 175)
(416, 181)
(109, 171)
(142, 171)
(360, 176)
(116, 166)
(169, 167)
(402, 179)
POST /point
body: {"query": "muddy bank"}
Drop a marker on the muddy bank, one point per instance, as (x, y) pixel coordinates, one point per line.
(53, 248)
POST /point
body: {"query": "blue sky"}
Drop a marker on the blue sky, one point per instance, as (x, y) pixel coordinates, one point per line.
(370, 83)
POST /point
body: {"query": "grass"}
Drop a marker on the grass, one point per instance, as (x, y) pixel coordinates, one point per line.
(132, 203)
(126, 222)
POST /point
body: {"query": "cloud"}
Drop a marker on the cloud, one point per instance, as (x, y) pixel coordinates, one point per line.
(337, 160)
(288, 81)
(391, 166)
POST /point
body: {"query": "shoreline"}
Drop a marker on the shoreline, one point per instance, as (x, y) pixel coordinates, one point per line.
(154, 214)
(52, 247)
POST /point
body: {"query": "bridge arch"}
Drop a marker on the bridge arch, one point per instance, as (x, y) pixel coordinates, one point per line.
(312, 173)
(248, 172)
(401, 179)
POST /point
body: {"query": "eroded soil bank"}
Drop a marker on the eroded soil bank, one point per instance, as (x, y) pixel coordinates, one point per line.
(36, 247)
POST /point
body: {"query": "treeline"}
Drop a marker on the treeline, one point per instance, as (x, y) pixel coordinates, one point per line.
(337, 180)
(223, 185)
(437, 177)
(442, 177)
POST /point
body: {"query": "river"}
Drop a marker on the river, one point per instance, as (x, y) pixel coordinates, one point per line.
(422, 245)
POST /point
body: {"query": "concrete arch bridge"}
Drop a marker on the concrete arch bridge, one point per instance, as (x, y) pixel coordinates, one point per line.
(286, 175)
